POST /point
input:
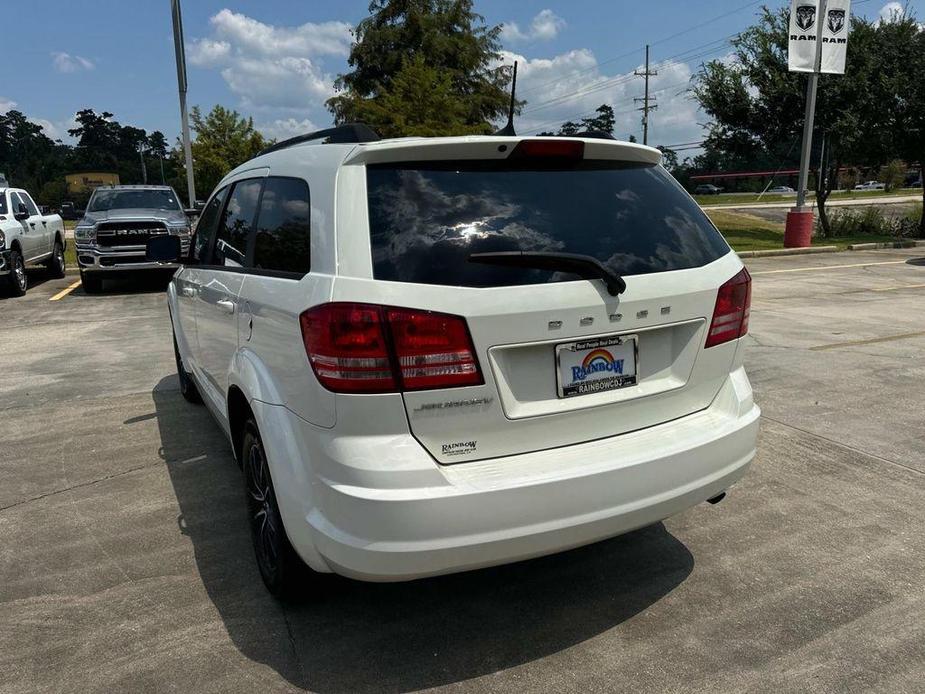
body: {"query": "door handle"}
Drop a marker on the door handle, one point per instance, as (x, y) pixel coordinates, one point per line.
(226, 304)
(32, 224)
(189, 291)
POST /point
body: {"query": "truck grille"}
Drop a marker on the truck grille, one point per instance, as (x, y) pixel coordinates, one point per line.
(127, 233)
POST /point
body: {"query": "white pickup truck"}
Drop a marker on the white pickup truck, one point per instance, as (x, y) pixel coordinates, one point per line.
(27, 237)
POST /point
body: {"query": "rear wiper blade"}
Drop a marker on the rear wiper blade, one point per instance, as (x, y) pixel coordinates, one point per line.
(584, 266)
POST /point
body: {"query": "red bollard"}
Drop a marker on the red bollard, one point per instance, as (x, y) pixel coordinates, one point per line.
(799, 230)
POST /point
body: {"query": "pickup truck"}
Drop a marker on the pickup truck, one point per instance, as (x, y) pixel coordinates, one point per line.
(110, 238)
(27, 237)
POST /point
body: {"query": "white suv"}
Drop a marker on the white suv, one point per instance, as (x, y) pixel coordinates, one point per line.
(434, 355)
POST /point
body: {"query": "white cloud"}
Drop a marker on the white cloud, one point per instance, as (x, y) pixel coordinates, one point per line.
(545, 26)
(572, 85)
(892, 11)
(284, 128)
(67, 63)
(269, 66)
(6, 104)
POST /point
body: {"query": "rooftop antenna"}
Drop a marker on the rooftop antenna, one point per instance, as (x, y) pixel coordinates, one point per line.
(508, 130)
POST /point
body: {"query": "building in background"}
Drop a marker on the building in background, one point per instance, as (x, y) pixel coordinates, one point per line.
(80, 183)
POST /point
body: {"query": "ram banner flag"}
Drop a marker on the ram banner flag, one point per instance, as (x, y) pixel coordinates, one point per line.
(804, 31)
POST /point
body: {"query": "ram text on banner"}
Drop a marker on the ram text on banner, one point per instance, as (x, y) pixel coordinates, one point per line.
(803, 30)
(835, 37)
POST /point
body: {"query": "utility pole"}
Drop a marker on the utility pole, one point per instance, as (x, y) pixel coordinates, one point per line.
(181, 83)
(144, 169)
(646, 99)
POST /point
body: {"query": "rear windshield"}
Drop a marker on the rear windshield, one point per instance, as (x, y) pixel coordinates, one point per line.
(104, 200)
(425, 219)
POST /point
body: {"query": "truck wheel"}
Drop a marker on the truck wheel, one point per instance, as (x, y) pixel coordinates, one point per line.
(18, 282)
(55, 264)
(283, 572)
(91, 283)
(188, 388)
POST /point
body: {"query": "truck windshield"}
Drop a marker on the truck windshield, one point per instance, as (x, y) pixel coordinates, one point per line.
(105, 200)
(426, 219)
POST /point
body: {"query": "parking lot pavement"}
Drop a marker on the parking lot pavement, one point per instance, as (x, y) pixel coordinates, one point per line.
(125, 561)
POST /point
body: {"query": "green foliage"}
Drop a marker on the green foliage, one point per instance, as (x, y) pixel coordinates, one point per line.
(406, 47)
(872, 221)
(604, 122)
(872, 114)
(893, 174)
(224, 139)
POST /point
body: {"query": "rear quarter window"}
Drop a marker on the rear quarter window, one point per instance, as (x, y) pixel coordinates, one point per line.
(426, 219)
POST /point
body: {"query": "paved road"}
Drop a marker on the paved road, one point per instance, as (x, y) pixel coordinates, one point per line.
(836, 202)
(125, 562)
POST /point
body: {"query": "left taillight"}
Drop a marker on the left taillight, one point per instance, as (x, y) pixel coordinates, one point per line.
(367, 348)
(730, 315)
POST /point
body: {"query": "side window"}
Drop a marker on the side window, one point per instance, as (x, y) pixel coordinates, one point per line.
(282, 241)
(3, 208)
(205, 227)
(15, 202)
(235, 226)
(33, 210)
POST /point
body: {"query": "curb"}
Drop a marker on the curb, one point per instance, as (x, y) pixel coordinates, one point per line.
(788, 251)
(890, 244)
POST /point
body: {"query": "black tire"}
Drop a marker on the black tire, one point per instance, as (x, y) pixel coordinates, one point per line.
(55, 264)
(188, 388)
(17, 280)
(283, 572)
(91, 282)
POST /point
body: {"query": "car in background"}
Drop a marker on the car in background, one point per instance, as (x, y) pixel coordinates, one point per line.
(110, 238)
(871, 185)
(707, 189)
(426, 363)
(70, 212)
(781, 189)
(27, 237)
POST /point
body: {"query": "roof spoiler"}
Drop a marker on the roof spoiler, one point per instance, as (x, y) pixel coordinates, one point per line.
(341, 134)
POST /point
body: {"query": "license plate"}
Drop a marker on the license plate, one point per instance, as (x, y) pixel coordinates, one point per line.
(595, 366)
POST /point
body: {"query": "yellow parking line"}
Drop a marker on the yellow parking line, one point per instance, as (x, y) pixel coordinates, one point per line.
(827, 267)
(64, 292)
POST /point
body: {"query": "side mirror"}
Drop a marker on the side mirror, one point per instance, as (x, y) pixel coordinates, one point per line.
(163, 248)
(22, 213)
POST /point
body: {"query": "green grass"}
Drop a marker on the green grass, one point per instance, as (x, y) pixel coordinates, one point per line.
(731, 199)
(70, 254)
(748, 232)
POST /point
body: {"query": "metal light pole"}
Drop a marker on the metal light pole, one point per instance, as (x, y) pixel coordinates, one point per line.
(181, 83)
(800, 220)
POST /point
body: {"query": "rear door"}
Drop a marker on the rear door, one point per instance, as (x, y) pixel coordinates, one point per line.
(31, 239)
(563, 361)
(220, 280)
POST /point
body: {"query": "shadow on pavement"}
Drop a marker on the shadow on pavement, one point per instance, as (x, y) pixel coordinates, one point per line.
(353, 636)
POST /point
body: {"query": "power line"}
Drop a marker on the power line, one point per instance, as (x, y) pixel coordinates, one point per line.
(596, 66)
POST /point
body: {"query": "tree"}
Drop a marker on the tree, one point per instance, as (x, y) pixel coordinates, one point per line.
(603, 122)
(756, 105)
(28, 157)
(406, 47)
(224, 139)
(893, 173)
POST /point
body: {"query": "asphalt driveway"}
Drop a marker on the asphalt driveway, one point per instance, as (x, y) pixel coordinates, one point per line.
(125, 561)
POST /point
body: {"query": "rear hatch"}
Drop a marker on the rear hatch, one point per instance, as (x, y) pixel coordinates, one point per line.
(562, 360)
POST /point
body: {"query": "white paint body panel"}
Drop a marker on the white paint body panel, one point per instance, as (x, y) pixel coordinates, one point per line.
(361, 483)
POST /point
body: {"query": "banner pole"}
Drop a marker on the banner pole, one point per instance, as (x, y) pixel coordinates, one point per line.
(799, 230)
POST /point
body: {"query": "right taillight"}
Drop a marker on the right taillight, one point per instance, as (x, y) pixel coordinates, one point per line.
(730, 316)
(367, 348)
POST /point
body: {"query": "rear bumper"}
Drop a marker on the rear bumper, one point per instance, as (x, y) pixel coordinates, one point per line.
(496, 511)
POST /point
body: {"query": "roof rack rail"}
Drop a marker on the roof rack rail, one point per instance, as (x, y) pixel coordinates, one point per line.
(341, 134)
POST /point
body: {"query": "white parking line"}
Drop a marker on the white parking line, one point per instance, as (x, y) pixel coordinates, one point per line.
(64, 292)
(827, 267)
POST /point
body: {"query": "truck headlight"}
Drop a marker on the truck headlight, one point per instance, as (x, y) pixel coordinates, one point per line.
(84, 233)
(178, 229)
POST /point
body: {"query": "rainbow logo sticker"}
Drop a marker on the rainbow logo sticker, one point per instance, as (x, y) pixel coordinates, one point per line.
(597, 361)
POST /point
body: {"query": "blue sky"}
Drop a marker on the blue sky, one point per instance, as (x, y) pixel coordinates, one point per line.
(275, 60)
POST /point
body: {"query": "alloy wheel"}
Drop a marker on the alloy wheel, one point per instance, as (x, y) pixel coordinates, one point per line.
(19, 270)
(264, 516)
